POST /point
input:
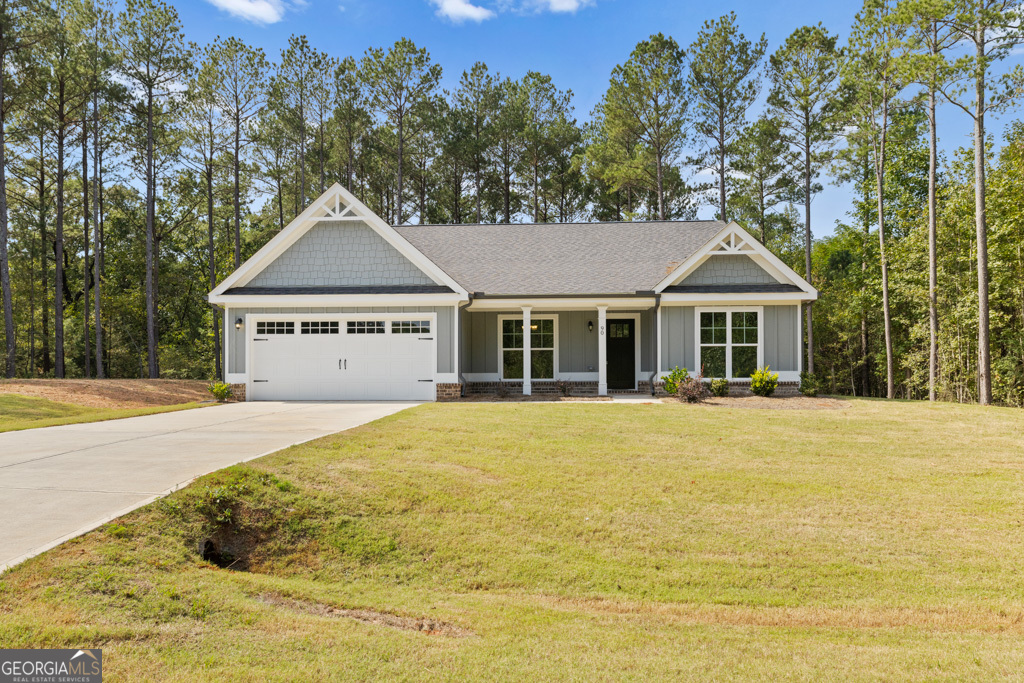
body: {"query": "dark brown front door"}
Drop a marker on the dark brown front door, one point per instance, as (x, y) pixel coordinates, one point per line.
(621, 354)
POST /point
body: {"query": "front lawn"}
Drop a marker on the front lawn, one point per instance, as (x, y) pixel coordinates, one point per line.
(27, 412)
(585, 541)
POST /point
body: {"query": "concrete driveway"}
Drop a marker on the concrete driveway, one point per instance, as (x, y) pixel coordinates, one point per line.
(60, 482)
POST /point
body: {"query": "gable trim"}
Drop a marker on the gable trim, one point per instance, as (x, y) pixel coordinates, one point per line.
(338, 204)
(724, 242)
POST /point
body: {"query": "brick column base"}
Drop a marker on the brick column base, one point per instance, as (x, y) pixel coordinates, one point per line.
(238, 392)
(447, 392)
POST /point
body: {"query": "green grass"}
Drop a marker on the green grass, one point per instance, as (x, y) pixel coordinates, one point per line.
(27, 412)
(572, 541)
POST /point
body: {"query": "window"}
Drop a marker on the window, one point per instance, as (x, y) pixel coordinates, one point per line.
(410, 327)
(320, 327)
(275, 327)
(729, 343)
(366, 327)
(542, 348)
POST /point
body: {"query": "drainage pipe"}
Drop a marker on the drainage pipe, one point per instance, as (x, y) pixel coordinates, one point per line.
(657, 343)
(458, 344)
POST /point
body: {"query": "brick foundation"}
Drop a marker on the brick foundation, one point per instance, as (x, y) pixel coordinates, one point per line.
(447, 392)
(238, 392)
(544, 388)
(783, 390)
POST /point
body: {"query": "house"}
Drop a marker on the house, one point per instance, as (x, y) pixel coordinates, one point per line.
(342, 306)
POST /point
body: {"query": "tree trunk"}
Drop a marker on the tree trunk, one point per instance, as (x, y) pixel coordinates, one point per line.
(96, 237)
(85, 241)
(401, 162)
(238, 208)
(58, 301)
(5, 273)
(721, 174)
(807, 238)
(890, 385)
(44, 249)
(151, 336)
(211, 252)
(661, 189)
(933, 315)
(984, 358)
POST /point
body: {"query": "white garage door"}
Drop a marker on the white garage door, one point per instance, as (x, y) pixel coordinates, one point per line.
(333, 359)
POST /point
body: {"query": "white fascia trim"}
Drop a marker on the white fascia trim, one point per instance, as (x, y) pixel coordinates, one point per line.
(300, 225)
(566, 304)
(737, 299)
(780, 268)
(325, 300)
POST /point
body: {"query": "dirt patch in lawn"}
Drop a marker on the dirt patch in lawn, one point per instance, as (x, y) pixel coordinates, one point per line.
(111, 393)
(428, 626)
(773, 402)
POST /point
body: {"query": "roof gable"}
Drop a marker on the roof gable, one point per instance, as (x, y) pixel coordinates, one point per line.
(339, 208)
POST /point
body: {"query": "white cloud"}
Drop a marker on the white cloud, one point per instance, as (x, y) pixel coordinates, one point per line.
(462, 10)
(256, 11)
(563, 5)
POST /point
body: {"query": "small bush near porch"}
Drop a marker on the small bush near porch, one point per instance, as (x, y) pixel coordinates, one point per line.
(587, 541)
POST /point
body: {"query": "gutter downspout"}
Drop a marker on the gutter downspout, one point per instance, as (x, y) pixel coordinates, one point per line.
(657, 337)
(458, 344)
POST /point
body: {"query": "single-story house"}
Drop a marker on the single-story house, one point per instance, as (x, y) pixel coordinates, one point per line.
(342, 306)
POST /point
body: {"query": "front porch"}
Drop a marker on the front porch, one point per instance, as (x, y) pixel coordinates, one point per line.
(576, 349)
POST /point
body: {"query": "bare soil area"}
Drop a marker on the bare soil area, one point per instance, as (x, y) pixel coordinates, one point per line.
(111, 393)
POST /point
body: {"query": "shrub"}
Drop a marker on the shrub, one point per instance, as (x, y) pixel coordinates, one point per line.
(693, 389)
(674, 378)
(720, 387)
(763, 382)
(809, 384)
(564, 387)
(220, 391)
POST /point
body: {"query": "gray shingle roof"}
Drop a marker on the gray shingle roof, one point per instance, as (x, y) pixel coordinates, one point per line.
(332, 289)
(560, 258)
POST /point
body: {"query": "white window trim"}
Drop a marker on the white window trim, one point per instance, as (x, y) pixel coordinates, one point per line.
(501, 348)
(728, 310)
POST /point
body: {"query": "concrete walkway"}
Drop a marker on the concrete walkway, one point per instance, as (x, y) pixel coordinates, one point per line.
(60, 482)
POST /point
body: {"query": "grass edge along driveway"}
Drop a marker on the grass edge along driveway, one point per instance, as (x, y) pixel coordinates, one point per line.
(19, 412)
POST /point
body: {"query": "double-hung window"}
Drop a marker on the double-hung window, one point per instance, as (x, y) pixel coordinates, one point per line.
(729, 343)
(542, 348)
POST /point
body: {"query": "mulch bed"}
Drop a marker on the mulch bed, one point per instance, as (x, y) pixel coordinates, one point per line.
(519, 398)
(773, 402)
(111, 393)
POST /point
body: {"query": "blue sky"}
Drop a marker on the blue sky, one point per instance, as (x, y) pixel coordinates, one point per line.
(577, 42)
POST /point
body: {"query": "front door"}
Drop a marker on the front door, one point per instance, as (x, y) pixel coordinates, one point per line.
(621, 354)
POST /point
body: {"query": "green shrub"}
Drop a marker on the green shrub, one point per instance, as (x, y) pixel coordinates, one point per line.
(763, 382)
(220, 391)
(720, 387)
(809, 384)
(691, 389)
(674, 378)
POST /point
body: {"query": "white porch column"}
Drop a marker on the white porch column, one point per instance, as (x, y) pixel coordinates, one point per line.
(602, 350)
(527, 364)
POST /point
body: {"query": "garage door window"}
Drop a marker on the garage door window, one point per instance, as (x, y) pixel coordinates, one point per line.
(410, 327)
(366, 327)
(275, 327)
(320, 327)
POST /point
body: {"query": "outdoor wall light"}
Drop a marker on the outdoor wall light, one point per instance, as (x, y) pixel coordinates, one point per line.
(590, 326)
(238, 323)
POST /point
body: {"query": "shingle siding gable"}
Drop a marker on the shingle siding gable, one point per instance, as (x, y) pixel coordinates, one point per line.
(340, 254)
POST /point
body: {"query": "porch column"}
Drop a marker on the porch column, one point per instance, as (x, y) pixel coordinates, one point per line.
(602, 350)
(527, 364)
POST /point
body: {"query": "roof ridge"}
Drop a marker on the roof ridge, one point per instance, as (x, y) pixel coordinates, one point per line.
(552, 224)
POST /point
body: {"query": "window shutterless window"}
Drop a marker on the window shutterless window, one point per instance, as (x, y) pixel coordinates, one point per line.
(275, 327)
(410, 327)
(365, 327)
(320, 327)
(728, 343)
(542, 348)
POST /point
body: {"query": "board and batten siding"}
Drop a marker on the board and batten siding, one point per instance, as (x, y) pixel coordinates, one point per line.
(577, 345)
(445, 339)
(781, 338)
